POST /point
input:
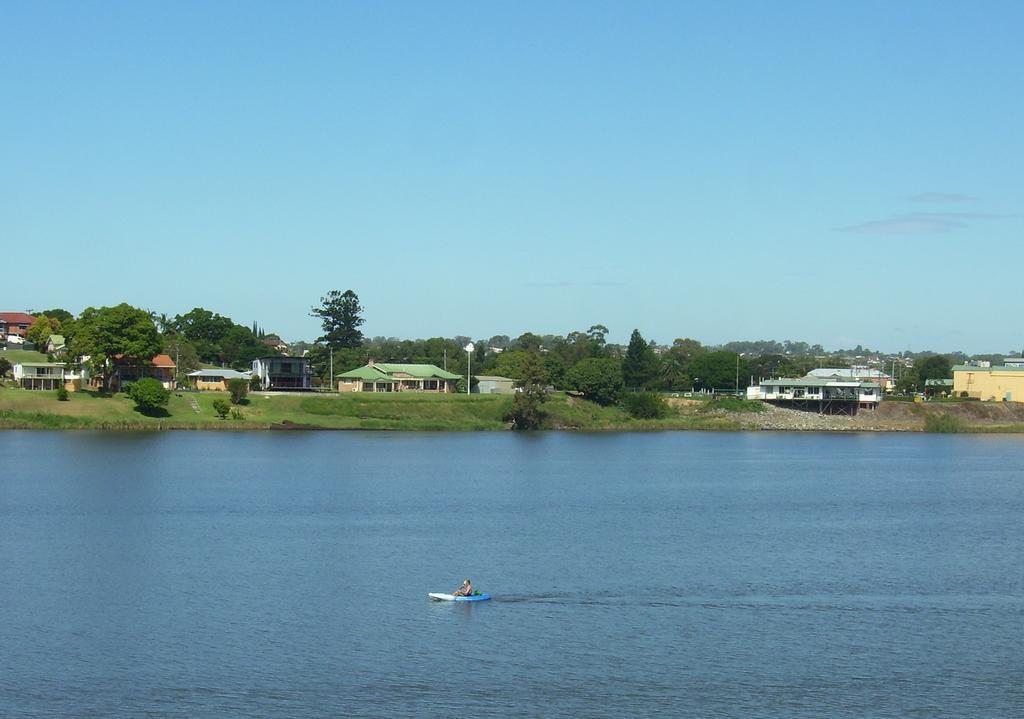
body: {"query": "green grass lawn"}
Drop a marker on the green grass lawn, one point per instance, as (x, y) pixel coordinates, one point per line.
(25, 408)
(405, 411)
(16, 356)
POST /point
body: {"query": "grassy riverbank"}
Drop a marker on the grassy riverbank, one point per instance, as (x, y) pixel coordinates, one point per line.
(23, 409)
(194, 410)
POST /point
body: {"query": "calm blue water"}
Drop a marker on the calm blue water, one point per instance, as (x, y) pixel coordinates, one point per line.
(681, 574)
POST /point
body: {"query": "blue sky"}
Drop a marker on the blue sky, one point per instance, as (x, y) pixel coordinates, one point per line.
(842, 173)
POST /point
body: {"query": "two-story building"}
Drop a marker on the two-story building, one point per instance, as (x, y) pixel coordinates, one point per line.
(391, 377)
(39, 375)
(15, 323)
(283, 373)
(128, 369)
(825, 395)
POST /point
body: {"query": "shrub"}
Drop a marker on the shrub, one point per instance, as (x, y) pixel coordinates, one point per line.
(599, 380)
(149, 395)
(645, 405)
(221, 408)
(237, 414)
(736, 404)
(238, 388)
(526, 411)
(942, 424)
(62, 394)
(255, 384)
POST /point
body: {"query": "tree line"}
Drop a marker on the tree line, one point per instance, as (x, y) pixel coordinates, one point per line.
(581, 360)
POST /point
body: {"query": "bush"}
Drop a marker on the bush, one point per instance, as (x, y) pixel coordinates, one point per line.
(255, 383)
(599, 380)
(62, 394)
(645, 405)
(526, 412)
(736, 404)
(237, 414)
(221, 408)
(149, 395)
(238, 388)
(942, 424)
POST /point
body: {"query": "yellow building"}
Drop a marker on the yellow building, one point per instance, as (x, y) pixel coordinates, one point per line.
(998, 384)
(216, 380)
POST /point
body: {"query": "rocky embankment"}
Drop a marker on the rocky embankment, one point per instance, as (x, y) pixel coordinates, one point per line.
(892, 417)
(794, 420)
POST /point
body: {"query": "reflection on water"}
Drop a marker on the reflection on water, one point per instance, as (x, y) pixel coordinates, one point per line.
(691, 574)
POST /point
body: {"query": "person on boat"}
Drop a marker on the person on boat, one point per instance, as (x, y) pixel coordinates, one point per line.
(466, 590)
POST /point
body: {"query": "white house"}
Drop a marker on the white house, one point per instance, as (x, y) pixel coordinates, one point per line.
(854, 373)
(822, 394)
(39, 375)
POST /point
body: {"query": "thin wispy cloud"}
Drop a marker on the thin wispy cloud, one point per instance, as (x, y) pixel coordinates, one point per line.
(942, 198)
(570, 283)
(923, 223)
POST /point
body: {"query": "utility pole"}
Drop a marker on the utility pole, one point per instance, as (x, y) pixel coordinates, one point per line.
(330, 379)
(469, 364)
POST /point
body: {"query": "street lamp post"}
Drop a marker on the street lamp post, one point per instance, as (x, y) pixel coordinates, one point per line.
(469, 364)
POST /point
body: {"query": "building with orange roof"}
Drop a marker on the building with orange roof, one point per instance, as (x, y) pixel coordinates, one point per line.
(127, 370)
(15, 323)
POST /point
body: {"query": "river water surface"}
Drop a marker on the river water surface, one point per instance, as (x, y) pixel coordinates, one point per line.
(681, 574)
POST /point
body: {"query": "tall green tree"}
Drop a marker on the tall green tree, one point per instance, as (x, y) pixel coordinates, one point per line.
(598, 379)
(205, 330)
(718, 370)
(41, 329)
(527, 406)
(103, 334)
(930, 367)
(239, 347)
(512, 363)
(57, 313)
(341, 316)
(184, 354)
(640, 365)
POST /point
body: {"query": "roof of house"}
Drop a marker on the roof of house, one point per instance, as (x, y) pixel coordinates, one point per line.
(847, 372)
(998, 368)
(386, 370)
(17, 318)
(493, 378)
(157, 360)
(57, 340)
(217, 372)
(39, 364)
(815, 382)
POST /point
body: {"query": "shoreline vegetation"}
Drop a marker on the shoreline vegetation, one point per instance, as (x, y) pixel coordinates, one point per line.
(25, 409)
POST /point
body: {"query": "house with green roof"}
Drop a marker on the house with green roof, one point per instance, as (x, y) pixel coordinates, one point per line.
(391, 377)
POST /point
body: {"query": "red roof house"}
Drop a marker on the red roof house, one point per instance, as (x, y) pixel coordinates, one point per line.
(15, 323)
